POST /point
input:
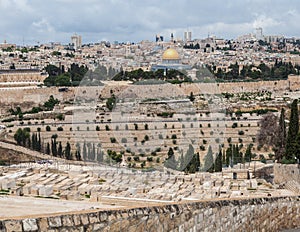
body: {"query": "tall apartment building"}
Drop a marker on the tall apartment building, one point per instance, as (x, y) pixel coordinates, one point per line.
(76, 41)
(187, 36)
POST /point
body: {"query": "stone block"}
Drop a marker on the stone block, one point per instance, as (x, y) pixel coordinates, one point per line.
(30, 224)
(13, 226)
(103, 216)
(43, 224)
(76, 219)
(98, 226)
(84, 219)
(93, 218)
(46, 190)
(55, 222)
(67, 220)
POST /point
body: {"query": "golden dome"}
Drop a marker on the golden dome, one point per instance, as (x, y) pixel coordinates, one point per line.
(170, 54)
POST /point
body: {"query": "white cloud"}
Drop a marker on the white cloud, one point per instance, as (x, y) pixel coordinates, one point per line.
(134, 20)
(265, 22)
(42, 26)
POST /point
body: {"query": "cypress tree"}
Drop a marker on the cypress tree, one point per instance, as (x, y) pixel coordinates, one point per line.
(248, 153)
(89, 151)
(93, 153)
(218, 162)
(84, 152)
(171, 161)
(68, 154)
(48, 149)
(60, 150)
(39, 142)
(54, 145)
(209, 161)
(198, 163)
(280, 143)
(229, 155)
(187, 159)
(33, 141)
(78, 152)
(292, 132)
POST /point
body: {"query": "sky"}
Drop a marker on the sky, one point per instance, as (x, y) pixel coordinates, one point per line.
(27, 22)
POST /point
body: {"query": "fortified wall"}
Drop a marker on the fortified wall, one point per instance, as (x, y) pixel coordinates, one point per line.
(264, 214)
(292, 83)
(40, 95)
(288, 176)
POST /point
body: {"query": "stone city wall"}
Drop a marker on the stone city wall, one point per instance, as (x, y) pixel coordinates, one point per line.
(286, 172)
(288, 175)
(259, 214)
(40, 95)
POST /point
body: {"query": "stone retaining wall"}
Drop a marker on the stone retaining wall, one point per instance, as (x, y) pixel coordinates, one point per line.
(261, 214)
(286, 172)
(40, 95)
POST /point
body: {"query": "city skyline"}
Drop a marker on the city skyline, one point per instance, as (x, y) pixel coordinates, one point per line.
(26, 22)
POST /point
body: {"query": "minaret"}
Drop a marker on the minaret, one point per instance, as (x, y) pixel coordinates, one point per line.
(172, 37)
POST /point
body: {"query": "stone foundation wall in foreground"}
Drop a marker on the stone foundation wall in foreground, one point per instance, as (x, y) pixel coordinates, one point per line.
(259, 214)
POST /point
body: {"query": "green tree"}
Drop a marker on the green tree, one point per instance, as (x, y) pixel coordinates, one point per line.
(218, 162)
(67, 151)
(268, 129)
(280, 140)
(111, 102)
(54, 145)
(229, 155)
(209, 161)
(248, 153)
(291, 141)
(77, 152)
(171, 161)
(48, 149)
(84, 151)
(49, 105)
(60, 150)
(22, 137)
(192, 97)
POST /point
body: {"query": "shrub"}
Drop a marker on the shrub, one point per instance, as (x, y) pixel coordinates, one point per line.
(241, 132)
(202, 148)
(60, 128)
(146, 138)
(123, 140)
(48, 128)
(149, 159)
(113, 140)
(97, 128)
